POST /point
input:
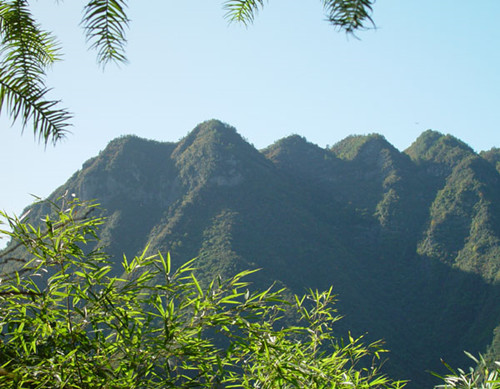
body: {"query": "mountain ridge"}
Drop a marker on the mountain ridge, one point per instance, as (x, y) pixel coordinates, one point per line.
(410, 240)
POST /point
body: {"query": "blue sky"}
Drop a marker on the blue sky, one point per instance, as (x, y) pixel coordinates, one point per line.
(430, 64)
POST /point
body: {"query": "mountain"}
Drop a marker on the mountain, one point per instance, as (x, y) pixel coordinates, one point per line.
(409, 240)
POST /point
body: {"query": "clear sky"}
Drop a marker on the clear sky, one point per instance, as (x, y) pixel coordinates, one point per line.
(430, 64)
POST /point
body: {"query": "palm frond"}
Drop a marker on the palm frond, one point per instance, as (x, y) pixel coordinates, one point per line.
(105, 22)
(349, 15)
(242, 11)
(25, 102)
(25, 53)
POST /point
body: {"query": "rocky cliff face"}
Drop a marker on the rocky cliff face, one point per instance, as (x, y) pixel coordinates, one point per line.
(410, 240)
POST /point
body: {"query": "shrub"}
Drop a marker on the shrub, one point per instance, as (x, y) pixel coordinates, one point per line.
(66, 323)
(483, 376)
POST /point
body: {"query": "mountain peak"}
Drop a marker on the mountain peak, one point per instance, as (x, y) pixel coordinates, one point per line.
(291, 147)
(214, 152)
(210, 131)
(435, 146)
(292, 140)
(119, 151)
(493, 157)
(303, 159)
(355, 145)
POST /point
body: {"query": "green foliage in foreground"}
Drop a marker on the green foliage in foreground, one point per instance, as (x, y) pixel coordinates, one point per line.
(480, 377)
(65, 323)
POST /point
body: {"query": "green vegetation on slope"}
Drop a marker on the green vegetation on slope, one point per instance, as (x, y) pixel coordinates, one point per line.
(78, 327)
(408, 240)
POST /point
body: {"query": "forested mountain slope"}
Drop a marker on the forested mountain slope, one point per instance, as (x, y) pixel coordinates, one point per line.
(409, 240)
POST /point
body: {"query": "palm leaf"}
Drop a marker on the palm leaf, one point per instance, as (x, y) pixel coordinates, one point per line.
(243, 11)
(25, 53)
(349, 15)
(105, 22)
(24, 102)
